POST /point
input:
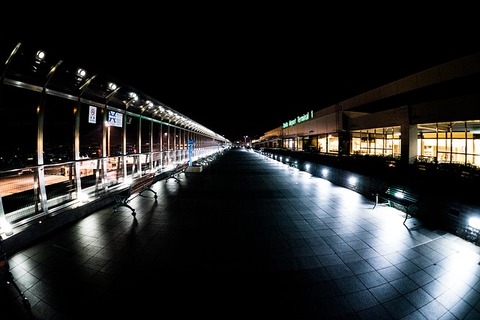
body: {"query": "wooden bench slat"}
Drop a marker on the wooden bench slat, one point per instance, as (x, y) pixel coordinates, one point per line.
(136, 188)
(179, 168)
(399, 198)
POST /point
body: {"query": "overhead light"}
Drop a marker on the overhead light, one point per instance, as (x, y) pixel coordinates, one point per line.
(81, 73)
(40, 56)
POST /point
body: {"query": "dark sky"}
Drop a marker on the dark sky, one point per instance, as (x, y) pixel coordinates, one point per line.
(243, 72)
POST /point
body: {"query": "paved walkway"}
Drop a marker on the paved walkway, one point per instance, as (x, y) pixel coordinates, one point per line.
(247, 238)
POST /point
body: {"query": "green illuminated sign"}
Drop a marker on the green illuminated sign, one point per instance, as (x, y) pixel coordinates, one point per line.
(297, 120)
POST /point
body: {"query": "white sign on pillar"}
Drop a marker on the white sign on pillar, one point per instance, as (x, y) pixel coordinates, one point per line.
(115, 119)
(92, 114)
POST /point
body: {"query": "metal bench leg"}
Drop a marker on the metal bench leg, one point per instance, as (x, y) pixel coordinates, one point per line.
(149, 189)
(124, 204)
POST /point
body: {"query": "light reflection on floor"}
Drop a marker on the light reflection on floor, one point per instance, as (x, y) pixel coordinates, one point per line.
(257, 238)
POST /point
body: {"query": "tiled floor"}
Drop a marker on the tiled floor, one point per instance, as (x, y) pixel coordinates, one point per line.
(248, 237)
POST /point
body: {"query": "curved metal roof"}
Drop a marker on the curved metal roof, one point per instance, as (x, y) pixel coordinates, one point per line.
(28, 66)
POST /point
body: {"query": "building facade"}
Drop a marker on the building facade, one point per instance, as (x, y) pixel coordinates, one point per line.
(432, 116)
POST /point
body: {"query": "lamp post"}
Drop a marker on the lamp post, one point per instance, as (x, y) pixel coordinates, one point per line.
(245, 141)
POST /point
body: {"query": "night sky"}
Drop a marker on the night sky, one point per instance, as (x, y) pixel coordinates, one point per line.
(239, 71)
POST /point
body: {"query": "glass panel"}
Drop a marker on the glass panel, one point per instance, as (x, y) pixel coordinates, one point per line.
(132, 134)
(19, 114)
(91, 131)
(58, 127)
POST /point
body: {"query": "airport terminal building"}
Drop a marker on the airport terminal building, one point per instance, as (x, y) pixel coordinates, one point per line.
(414, 143)
(266, 238)
(73, 139)
(431, 116)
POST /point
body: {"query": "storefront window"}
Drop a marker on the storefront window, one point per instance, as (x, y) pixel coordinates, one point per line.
(377, 141)
(332, 143)
(450, 142)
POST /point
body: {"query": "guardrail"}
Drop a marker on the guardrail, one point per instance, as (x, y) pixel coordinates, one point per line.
(32, 193)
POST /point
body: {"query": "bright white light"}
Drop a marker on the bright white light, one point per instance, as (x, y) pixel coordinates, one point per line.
(5, 226)
(352, 180)
(474, 222)
(40, 55)
(399, 194)
(133, 95)
(81, 73)
(83, 197)
(324, 172)
(307, 167)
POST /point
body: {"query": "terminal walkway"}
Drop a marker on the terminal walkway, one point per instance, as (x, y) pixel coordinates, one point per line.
(248, 237)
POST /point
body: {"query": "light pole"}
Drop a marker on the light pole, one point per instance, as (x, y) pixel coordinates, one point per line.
(245, 141)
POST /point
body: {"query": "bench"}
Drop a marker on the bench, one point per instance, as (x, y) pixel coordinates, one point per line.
(175, 172)
(400, 199)
(135, 189)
